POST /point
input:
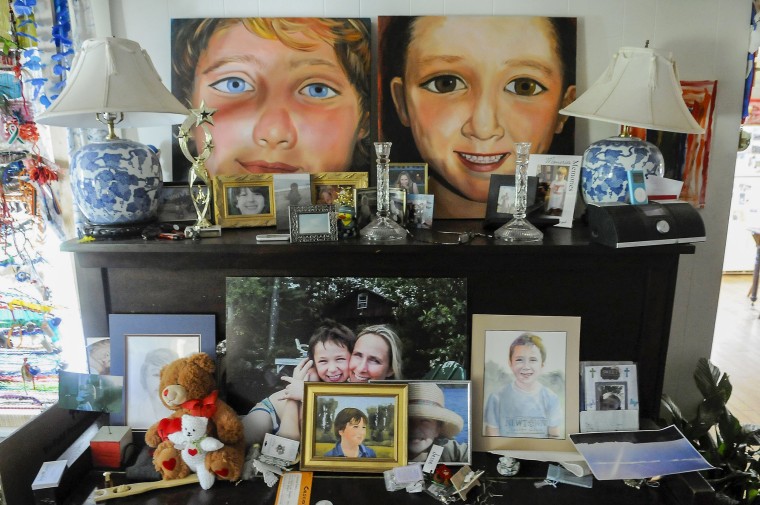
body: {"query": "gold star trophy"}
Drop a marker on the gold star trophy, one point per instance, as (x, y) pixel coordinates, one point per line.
(200, 183)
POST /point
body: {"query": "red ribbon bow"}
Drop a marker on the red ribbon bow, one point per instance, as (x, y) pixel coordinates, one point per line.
(205, 407)
(167, 426)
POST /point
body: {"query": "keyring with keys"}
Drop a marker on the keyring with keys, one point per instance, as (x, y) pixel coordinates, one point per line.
(463, 237)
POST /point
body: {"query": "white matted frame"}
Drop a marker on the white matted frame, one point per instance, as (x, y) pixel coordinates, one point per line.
(140, 345)
(491, 375)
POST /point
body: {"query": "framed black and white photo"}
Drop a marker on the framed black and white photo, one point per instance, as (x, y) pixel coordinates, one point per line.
(290, 189)
(175, 205)
(525, 376)
(313, 223)
(141, 344)
(501, 199)
(365, 206)
(244, 200)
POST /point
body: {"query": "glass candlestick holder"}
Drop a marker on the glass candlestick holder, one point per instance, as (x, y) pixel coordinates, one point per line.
(383, 228)
(519, 229)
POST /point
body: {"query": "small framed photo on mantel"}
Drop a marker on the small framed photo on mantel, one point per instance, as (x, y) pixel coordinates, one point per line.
(354, 427)
(558, 177)
(500, 207)
(244, 200)
(313, 223)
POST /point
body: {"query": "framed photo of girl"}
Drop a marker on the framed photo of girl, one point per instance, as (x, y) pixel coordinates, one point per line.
(354, 427)
(410, 177)
(526, 392)
(244, 200)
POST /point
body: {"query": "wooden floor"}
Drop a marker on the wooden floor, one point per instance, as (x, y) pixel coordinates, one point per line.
(736, 346)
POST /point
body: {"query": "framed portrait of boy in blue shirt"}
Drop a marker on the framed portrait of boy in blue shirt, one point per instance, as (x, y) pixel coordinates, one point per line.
(354, 427)
(525, 382)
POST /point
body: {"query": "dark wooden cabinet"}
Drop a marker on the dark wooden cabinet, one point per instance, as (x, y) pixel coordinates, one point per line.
(624, 297)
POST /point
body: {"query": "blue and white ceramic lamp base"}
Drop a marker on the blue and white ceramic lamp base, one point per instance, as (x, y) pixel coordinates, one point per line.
(606, 162)
(116, 182)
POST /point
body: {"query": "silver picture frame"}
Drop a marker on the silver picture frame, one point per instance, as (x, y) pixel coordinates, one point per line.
(313, 223)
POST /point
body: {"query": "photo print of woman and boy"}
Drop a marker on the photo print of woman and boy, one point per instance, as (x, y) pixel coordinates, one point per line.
(284, 331)
(455, 92)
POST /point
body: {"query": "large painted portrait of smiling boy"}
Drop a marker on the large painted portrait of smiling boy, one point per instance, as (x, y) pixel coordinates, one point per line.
(457, 92)
(292, 95)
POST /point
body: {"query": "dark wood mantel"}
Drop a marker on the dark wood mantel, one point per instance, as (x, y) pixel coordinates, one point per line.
(624, 297)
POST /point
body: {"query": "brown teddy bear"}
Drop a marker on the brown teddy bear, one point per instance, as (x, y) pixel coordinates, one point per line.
(187, 386)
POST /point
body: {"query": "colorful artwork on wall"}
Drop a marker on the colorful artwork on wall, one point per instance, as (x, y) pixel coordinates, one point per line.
(457, 92)
(687, 156)
(291, 95)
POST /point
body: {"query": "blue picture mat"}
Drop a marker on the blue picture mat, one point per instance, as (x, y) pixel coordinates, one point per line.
(122, 325)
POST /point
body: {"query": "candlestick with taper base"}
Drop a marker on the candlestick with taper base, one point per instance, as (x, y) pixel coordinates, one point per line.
(383, 228)
(519, 229)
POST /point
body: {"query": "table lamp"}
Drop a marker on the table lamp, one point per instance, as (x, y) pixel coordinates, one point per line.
(639, 89)
(115, 182)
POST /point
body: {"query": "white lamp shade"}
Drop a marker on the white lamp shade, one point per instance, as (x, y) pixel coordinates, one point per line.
(113, 75)
(640, 88)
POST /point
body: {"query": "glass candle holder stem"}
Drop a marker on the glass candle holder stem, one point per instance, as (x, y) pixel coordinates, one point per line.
(519, 229)
(383, 228)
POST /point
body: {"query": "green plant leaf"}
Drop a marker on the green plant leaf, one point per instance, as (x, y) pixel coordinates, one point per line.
(706, 376)
(676, 415)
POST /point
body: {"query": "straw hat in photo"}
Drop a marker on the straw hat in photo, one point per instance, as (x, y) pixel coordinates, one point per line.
(426, 400)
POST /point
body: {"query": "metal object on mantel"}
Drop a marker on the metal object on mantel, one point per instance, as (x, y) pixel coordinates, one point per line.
(200, 193)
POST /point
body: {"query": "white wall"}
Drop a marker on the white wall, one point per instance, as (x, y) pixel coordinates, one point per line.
(707, 38)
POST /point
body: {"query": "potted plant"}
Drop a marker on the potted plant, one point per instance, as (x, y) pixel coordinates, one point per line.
(732, 448)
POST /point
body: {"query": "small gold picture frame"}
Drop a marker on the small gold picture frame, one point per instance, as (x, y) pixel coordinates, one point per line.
(244, 200)
(337, 187)
(372, 415)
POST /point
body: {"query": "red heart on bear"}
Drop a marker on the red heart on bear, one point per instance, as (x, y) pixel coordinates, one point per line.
(169, 464)
(192, 452)
(224, 472)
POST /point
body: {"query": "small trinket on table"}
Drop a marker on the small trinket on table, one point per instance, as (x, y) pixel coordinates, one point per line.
(442, 475)
(508, 466)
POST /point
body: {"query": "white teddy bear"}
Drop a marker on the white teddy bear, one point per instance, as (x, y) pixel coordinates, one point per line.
(194, 444)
